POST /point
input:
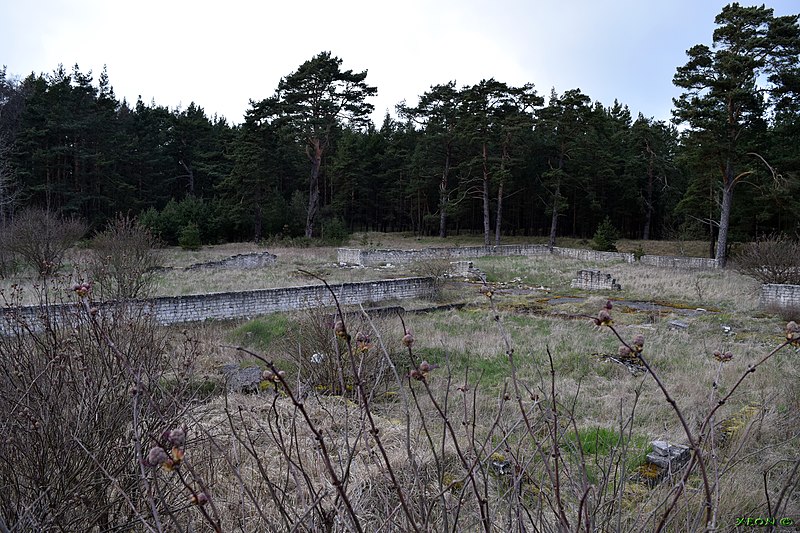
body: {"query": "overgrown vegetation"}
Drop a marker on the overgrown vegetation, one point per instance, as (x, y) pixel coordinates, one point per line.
(771, 259)
(453, 420)
(41, 238)
(124, 260)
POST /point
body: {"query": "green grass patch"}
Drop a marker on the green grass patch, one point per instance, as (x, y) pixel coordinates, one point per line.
(261, 333)
(595, 441)
(492, 370)
(597, 444)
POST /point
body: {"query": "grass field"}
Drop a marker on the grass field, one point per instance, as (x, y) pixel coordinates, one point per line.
(609, 408)
(516, 387)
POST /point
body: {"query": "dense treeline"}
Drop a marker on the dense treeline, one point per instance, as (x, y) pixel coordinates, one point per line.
(489, 158)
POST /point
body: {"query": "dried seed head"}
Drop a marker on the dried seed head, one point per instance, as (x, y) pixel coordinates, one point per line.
(339, 329)
(723, 357)
(638, 342)
(272, 377)
(416, 374)
(624, 351)
(201, 498)
(603, 318)
(83, 289)
(177, 455)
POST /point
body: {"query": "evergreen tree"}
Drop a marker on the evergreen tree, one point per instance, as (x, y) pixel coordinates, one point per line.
(561, 127)
(313, 101)
(438, 113)
(754, 53)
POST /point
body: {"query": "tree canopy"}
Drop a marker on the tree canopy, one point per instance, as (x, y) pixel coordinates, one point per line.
(489, 158)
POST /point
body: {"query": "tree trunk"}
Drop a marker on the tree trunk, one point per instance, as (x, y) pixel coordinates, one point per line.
(499, 218)
(554, 219)
(190, 175)
(486, 217)
(315, 155)
(648, 201)
(724, 221)
(257, 223)
(443, 195)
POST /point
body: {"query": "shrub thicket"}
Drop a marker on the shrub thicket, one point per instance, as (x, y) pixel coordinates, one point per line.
(124, 259)
(41, 238)
(772, 259)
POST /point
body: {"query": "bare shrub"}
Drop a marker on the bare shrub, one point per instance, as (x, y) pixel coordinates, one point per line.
(322, 360)
(124, 259)
(773, 259)
(438, 454)
(41, 238)
(82, 404)
(433, 268)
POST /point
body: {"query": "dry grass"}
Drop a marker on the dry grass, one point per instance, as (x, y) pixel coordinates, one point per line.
(469, 348)
(322, 261)
(264, 466)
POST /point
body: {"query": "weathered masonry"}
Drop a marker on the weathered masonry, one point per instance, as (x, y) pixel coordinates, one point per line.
(594, 280)
(783, 296)
(378, 257)
(244, 304)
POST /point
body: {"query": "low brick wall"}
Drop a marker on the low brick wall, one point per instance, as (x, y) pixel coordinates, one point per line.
(244, 261)
(785, 296)
(354, 256)
(678, 262)
(244, 304)
(593, 255)
(594, 280)
(378, 257)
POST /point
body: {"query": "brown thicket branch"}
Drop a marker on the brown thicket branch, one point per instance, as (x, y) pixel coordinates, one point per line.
(697, 455)
(364, 400)
(103, 338)
(412, 459)
(318, 436)
(559, 508)
(470, 468)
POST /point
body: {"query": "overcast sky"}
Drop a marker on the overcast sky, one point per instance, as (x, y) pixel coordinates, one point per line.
(223, 54)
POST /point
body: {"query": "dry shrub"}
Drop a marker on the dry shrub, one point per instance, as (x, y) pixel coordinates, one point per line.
(124, 259)
(41, 238)
(322, 360)
(773, 259)
(82, 399)
(262, 443)
(433, 268)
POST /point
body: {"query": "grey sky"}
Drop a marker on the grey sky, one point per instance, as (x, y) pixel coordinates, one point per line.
(222, 54)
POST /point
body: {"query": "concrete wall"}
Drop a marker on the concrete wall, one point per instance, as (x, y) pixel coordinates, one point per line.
(594, 280)
(229, 305)
(254, 260)
(592, 255)
(376, 257)
(678, 262)
(780, 295)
